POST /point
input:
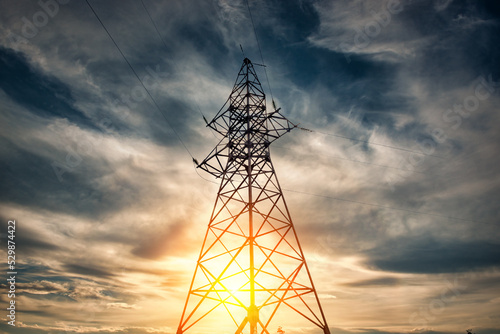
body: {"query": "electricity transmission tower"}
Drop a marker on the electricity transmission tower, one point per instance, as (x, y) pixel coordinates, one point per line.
(251, 263)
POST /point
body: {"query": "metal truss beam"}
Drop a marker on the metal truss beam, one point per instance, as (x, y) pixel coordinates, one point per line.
(251, 259)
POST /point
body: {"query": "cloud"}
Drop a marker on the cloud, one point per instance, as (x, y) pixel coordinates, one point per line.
(121, 306)
(41, 93)
(119, 232)
(44, 287)
(67, 328)
(32, 243)
(87, 270)
(383, 281)
(425, 254)
(154, 246)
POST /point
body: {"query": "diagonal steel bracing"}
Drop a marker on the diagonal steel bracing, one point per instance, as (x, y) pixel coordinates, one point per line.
(251, 264)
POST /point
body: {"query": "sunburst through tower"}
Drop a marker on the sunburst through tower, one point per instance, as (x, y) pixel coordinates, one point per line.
(251, 268)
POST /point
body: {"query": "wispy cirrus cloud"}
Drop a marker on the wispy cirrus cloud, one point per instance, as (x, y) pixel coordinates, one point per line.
(115, 237)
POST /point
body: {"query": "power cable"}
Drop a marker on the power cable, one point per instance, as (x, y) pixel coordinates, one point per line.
(196, 170)
(357, 161)
(260, 52)
(381, 206)
(369, 142)
(325, 133)
(166, 49)
(370, 204)
(197, 106)
(154, 25)
(138, 78)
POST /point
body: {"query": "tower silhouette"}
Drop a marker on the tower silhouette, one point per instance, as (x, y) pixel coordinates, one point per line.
(251, 263)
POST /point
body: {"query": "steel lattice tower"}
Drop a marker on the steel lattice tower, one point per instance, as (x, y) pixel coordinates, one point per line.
(251, 263)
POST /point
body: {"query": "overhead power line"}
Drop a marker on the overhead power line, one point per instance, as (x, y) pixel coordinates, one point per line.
(164, 44)
(356, 161)
(369, 142)
(371, 204)
(154, 24)
(138, 78)
(325, 133)
(166, 49)
(382, 206)
(260, 52)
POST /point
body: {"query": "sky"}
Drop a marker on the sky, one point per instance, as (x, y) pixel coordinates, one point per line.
(394, 191)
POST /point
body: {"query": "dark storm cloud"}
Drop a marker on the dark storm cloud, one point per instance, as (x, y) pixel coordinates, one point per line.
(34, 329)
(369, 85)
(383, 281)
(461, 57)
(146, 55)
(34, 272)
(88, 270)
(41, 93)
(195, 39)
(32, 244)
(445, 60)
(426, 254)
(71, 76)
(483, 213)
(30, 177)
(376, 331)
(472, 285)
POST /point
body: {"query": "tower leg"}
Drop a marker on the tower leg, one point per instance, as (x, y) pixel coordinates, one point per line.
(253, 318)
(242, 325)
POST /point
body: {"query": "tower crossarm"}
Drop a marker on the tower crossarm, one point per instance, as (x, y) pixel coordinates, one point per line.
(274, 125)
(278, 125)
(242, 121)
(214, 163)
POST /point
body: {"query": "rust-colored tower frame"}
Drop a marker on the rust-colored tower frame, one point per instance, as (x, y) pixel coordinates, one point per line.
(251, 262)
